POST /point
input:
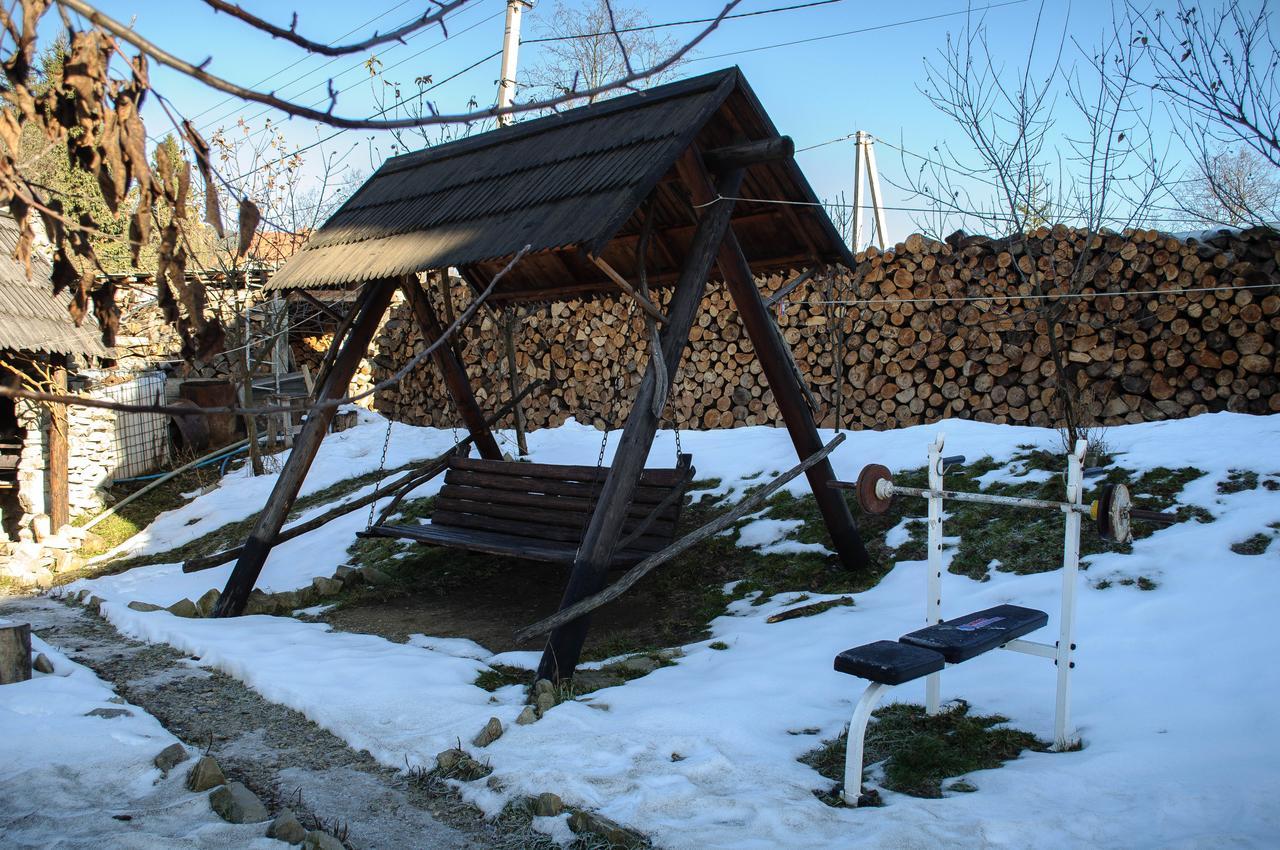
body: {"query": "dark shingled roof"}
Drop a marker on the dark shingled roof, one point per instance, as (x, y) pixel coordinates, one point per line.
(566, 184)
(31, 318)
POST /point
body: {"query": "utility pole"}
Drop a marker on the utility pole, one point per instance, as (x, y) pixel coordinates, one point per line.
(510, 55)
(865, 160)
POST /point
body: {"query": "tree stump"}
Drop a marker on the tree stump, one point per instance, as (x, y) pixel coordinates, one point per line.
(15, 652)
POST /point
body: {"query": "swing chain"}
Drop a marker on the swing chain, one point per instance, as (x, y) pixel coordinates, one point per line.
(382, 465)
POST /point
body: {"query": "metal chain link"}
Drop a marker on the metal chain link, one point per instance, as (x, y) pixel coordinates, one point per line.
(382, 465)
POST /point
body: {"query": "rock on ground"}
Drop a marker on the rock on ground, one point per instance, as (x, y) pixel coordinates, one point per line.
(205, 774)
(286, 827)
(235, 803)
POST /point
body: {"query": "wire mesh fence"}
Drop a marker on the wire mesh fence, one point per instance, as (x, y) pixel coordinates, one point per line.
(140, 441)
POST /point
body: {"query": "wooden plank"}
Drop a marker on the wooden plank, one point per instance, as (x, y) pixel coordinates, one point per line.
(532, 530)
(652, 477)
(490, 543)
(564, 646)
(59, 507)
(484, 480)
(455, 375)
(517, 498)
(574, 519)
(374, 300)
(645, 304)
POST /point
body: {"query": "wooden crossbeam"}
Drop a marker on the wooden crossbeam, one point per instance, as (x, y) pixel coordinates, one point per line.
(645, 304)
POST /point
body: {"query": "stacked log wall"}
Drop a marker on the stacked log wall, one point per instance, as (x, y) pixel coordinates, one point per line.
(1150, 327)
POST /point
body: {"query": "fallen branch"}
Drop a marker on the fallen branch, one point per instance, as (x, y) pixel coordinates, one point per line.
(657, 559)
(403, 485)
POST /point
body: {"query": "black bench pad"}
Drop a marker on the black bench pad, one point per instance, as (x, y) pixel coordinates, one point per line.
(889, 662)
(973, 634)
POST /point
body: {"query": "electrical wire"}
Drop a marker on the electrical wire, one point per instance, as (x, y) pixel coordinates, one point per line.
(666, 24)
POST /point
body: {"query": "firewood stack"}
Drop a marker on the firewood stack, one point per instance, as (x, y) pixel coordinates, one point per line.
(928, 330)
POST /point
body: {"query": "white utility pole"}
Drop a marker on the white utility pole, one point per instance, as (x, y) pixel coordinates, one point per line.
(865, 160)
(510, 55)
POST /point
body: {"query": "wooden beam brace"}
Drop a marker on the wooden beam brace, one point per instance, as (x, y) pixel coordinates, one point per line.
(373, 303)
(317, 303)
(455, 374)
(645, 304)
(721, 160)
(788, 392)
(789, 287)
(564, 647)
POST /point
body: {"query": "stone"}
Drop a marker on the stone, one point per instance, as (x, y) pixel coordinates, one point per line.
(42, 664)
(544, 703)
(585, 681)
(348, 575)
(326, 586)
(205, 774)
(171, 756)
(491, 732)
(135, 605)
(235, 803)
(183, 608)
(205, 604)
(318, 840)
(109, 713)
(640, 665)
(286, 601)
(287, 828)
(528, 715)
(95, 604)
(548, 805)
(260, 603)
(57, 541)
(374, 576)
(41, 527)
(449, 759)
(544, 686)
(601, 826)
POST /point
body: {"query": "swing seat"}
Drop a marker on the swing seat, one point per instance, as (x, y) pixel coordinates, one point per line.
(540, 511)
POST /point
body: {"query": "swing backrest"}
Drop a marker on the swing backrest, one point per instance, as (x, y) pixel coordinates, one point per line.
(552, 502)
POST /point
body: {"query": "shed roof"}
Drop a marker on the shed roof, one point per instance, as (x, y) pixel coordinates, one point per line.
(31, 317)
(569, 184)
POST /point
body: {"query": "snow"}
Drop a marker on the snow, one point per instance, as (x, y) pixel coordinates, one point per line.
(67, 775)
(1174, 691)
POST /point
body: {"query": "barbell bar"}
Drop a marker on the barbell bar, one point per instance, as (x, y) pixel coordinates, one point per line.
(1111, 512)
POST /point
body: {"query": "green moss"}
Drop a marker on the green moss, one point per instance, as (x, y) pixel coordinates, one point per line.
(1255, 545)
(719, 644)
(1145, 583)
(920, 752)
(1238, 480)
(499, 676)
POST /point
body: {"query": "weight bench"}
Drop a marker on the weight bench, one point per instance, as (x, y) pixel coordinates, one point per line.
(926, 652)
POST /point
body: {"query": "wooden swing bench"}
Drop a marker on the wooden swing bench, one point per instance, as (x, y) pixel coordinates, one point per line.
(539, 511)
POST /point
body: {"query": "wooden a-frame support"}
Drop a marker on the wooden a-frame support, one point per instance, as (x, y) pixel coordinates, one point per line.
(344, 356)
(713, 241)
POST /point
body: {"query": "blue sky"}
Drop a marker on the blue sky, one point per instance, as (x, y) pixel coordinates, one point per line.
(819, 90)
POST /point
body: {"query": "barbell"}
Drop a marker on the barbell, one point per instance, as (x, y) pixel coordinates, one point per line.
(1111, 512)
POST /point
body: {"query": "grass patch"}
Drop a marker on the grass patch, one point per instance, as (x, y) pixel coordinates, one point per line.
(921, 752)
(1255, 545)
(1030, 541)
(1238, 480)
(499, 676)
(718, 645)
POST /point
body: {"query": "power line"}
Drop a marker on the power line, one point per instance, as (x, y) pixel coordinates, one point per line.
(859, 30)
(690, 22)
(956, 299)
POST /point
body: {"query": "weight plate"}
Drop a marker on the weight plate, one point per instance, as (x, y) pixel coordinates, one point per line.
(872, 474)
(1118, 514)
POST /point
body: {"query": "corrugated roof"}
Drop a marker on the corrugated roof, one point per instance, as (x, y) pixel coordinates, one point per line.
(566, 181)
(31, 318)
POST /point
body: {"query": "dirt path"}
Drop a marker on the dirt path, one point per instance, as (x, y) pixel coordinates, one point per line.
(277, 752)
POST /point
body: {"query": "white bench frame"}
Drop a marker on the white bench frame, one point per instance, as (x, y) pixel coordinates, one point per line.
(1061, 652)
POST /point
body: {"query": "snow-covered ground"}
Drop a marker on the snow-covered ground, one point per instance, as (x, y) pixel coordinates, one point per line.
(1174, 693)
(69, 778)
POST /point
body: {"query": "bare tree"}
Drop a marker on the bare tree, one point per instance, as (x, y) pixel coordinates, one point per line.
(1235, 188)
(1218, 68)
(583, 47)
(93, 113)
(1018, 172)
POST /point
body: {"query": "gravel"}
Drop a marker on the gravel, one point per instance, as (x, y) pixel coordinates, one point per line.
(277, 753)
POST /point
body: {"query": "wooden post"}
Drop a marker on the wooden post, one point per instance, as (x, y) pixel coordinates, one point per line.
(59, 510)
(788, 392)
(564, 646)
(15, 652)
(455, 375)
(509, 343)
(374, 299)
